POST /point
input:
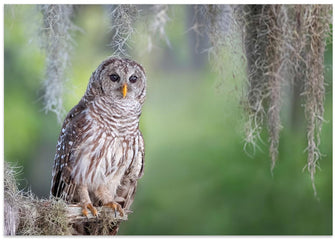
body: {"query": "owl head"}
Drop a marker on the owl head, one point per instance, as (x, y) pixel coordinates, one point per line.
(119, 79)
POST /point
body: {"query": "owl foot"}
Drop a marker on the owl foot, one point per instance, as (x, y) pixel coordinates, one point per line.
(90, 207)
(116, 207)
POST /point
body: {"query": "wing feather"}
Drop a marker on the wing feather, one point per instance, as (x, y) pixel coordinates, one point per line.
(127, 189)
(62, 184)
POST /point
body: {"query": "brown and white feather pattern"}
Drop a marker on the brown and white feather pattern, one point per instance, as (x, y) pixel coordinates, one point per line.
(100, 147)
(111, 146)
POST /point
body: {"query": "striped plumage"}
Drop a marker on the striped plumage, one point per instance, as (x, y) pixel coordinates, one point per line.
(100, 150)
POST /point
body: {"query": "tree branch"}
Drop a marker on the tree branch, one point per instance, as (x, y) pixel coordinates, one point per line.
(25, 214)
(75, 215)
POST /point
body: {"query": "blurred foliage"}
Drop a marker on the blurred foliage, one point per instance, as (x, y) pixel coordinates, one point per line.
(198, 179)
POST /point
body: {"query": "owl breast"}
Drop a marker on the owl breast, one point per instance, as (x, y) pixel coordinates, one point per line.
(110, 148)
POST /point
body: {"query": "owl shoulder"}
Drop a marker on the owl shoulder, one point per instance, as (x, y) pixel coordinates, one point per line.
(73, 124)
(75, 112)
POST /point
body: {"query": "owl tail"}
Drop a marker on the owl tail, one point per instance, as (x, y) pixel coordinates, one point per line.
(94, 228)
(115, 229)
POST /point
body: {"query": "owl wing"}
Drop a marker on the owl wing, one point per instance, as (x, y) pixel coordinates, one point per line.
(127, 189)
(62, 185)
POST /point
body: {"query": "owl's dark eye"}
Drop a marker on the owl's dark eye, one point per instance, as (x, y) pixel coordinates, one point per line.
(133, 79)
(114, 77)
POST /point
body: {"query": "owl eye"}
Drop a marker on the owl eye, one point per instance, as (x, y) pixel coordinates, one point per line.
(114, 77)
(133, 79)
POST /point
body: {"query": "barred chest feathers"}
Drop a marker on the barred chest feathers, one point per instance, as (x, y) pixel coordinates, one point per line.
(112, 145)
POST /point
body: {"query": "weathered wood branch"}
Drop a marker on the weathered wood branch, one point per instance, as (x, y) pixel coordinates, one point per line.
(75, 215)
(25, 214)
(28, 216)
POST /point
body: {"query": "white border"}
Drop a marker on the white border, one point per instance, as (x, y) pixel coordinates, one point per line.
(131, 2)
(168, 2)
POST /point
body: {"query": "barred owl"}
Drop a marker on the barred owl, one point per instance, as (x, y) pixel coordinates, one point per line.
(100, 150)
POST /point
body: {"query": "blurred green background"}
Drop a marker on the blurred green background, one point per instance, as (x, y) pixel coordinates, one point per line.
(198, 179)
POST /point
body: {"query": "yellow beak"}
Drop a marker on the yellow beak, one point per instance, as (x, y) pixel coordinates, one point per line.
(124, 90)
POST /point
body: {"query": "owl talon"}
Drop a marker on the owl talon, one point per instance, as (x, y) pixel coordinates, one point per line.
(84, 212)
(116, 207)
(90, 207)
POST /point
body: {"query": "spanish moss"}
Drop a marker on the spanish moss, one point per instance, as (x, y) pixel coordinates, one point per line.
(57, 42)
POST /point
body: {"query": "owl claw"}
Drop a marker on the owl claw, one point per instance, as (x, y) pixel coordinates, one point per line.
(116, 207)
(90, 207)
